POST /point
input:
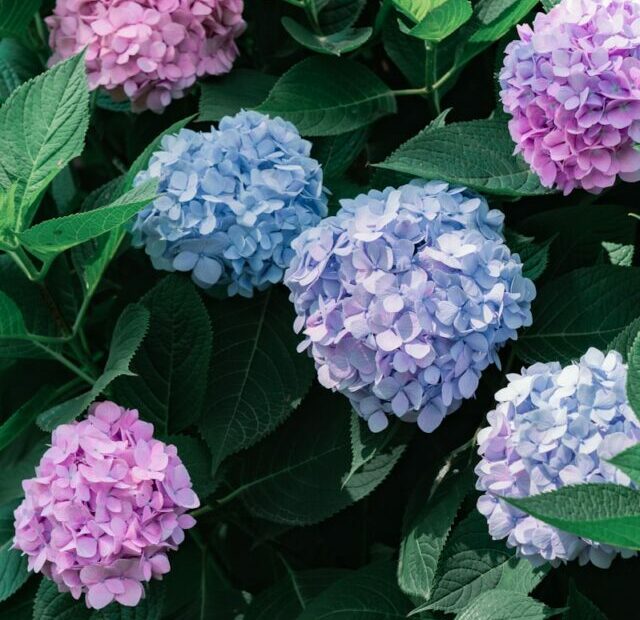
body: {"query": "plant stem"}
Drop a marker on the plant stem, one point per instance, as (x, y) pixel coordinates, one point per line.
(381, 17)
(203, 510)
(23, 261)
(65, 362)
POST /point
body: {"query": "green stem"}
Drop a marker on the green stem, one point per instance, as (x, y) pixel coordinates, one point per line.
(23, 261)
(200, 512)
(381, 17)
(431, 70)
(65, 362)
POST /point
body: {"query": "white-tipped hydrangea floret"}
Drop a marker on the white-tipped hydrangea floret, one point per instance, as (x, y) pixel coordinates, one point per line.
(231, 201)
(404, 298)
(553, 427)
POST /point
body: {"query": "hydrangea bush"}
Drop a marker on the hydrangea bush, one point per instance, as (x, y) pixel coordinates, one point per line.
(319, 308)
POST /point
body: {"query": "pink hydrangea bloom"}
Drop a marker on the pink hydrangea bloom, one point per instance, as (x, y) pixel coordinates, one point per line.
(148, 50)
(572, 85)
(107, 503)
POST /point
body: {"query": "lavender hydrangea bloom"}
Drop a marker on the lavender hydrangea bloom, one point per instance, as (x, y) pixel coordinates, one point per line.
(571, 84)
(231, 201)
(107, 504)
(553, 427)
(404, 298)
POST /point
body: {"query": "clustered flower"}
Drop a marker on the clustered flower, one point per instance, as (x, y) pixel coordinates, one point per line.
(405, 297)
(572, 85)
(107, 503)
(553, 427)
(231, 202)
(148, 50)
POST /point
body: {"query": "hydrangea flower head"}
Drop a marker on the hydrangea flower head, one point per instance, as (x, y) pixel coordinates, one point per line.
(553, 427)
(404, 298)
(231, 202)
(572, 84)
(148, 50)
(107, 503)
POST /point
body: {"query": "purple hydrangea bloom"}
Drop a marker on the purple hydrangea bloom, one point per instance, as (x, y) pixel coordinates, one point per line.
(572, 85)
(404, 298)
(107, 503)
(553, 427)
(231, 201)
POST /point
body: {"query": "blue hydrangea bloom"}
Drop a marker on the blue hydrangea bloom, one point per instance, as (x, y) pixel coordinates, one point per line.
(552, 427)
(231, 201)
(404, 298)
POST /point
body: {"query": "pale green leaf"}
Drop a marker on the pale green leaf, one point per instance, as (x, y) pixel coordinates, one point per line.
(335, 44)
(497, 605)
(54, 236)
(425, 534)
(477, 154)
(442, 20)
(366, 446)
(127, 336)
(242, 89)
(13, 565)
(50, 604)
(257, 377)
(172, 364)
(473, 563)
(619, 253)
(42, 128)
(356, 98)
(605, 513)
(623, 342)
(585, 308)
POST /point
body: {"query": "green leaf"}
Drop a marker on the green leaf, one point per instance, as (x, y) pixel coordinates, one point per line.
(549, 4)
(579, 233)
(241, 89)
(172, 365)
(407, 52)
(534, 256)
(623, 342)
(54, 236)
(366, 446)
(127, 336)
(370, 592)
(296, 475)
(606, 513)
(23, 417)
(425, 534)
(477, 154)
(473, 563)
(257, 377)
(50, 604)
(337, 15)
(197, 459)
(289, 597)
(585, 308)
(416, 10)
(579, 607)
(633, 376)
(11, 321)
(442, 20)
(17, 65)
(506, 606)
(356, 97)
(15, 16)
(619, 253)
(337, 153)
(13, 565)
(142, 161)
(335, 44)
(42, 128)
